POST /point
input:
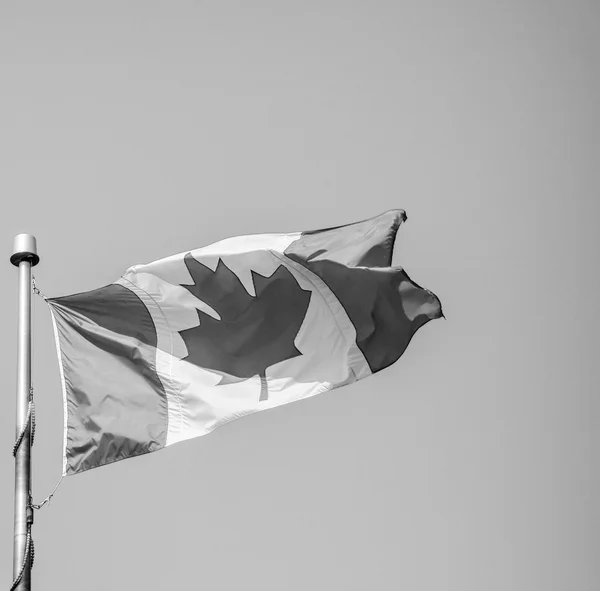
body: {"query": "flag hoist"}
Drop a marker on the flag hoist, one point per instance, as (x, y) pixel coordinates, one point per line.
(24, 257)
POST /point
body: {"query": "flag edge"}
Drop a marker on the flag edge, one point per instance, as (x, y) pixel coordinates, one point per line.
(63, 385)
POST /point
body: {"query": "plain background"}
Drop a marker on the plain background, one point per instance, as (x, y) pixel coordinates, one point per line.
(134, 130)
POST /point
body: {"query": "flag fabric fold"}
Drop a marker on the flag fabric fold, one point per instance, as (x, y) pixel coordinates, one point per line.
(179, 346)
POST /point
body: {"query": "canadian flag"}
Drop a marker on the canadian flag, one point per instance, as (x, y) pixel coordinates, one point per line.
(179, 346)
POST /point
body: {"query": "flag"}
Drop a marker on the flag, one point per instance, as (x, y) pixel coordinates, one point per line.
(180, 346)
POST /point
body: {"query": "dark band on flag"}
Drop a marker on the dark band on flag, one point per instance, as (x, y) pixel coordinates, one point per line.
(385, 306)
(116, 403)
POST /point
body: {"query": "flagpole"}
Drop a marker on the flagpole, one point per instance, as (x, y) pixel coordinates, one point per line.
(24, 257)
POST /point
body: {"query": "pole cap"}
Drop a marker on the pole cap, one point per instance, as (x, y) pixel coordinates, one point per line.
(24, 249)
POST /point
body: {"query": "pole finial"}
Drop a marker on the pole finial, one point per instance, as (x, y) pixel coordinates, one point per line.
(25, 249)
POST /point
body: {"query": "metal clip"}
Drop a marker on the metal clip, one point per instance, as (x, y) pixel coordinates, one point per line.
(29, 514)
(36, 290)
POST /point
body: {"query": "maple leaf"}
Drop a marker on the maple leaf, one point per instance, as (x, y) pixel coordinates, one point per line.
(254, 332)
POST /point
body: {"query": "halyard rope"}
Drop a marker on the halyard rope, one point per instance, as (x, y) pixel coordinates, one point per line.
(29, 424)
(36, 290)
(28, 552)
(49, 497)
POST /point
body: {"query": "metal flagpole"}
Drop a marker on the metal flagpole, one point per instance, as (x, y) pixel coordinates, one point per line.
(24, 256)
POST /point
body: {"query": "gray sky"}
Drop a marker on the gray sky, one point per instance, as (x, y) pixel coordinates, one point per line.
(133, 130)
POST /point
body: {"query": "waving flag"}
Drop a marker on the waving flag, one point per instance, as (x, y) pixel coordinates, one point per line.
(182, 345)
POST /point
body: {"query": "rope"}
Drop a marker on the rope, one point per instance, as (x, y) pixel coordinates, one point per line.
(32, 418)
(35, 289)
(29, 550)
(26, 556)
(29, 424)
(29, 553)
(49, 497)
